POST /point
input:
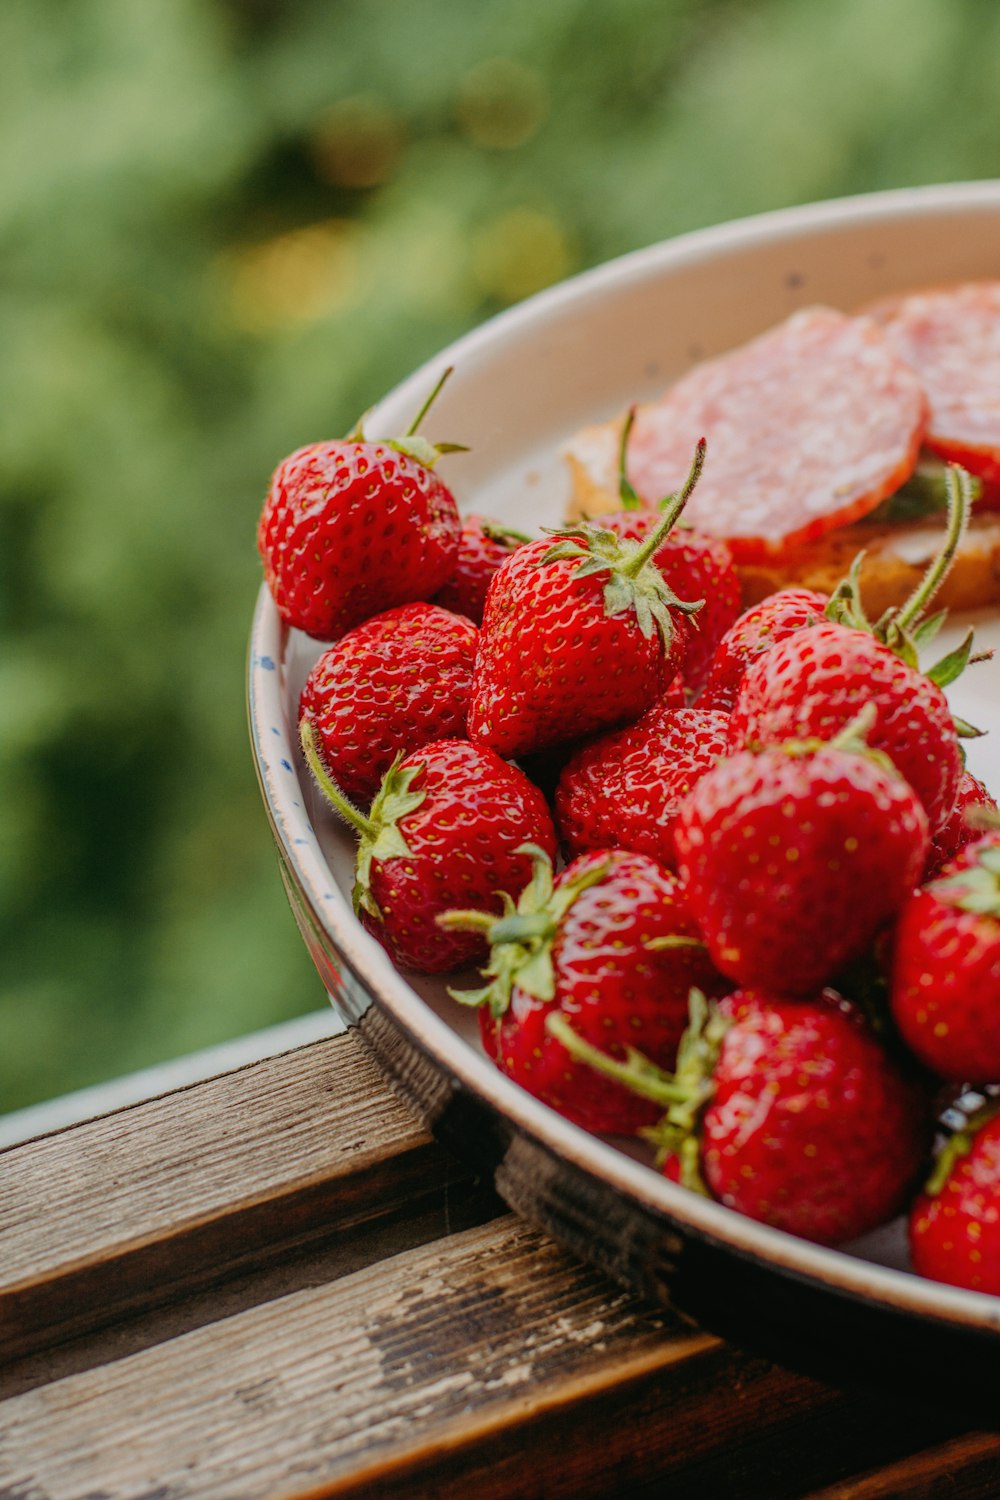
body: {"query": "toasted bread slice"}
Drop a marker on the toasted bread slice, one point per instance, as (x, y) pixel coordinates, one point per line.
(896, 553)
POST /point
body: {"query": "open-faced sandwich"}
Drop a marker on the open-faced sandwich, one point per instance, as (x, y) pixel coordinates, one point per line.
(828, 435)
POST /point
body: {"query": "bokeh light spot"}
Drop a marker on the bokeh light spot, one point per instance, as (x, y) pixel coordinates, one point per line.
(519, 252)
(295, 278)
(501, 104)
(357, 143)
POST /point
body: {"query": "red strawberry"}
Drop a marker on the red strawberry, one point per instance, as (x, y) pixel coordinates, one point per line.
(611, 946)
(578, 635)
(945, 993)
(396, 682)
(756, 631)
(794, 857)
(788, 1111)
(482, 547)
(955, 1222)
(675, 696)
(622, 791)
(958, 831)
(351, 528)
(812, 684)
(447, 829)
(694, 564)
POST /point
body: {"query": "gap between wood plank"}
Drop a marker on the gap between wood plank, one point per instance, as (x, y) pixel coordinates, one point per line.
(127, 1212)
(493, 1319)
(460, 1205)
(483, 1361)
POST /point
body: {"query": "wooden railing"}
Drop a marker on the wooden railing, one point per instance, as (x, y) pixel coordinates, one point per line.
(273, 1283)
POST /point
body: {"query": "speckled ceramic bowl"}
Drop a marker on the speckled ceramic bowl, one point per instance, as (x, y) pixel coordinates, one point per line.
(523, 383)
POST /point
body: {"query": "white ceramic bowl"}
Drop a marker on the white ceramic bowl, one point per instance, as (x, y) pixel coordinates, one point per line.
(524, 383)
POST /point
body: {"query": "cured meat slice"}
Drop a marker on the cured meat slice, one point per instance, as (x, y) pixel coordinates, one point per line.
(808, 427)
(950, 336)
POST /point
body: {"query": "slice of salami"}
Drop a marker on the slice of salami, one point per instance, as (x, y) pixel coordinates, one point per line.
(808, 427)
(950, 336)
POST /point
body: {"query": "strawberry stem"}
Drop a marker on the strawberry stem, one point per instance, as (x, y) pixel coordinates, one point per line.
(522, 927)
(667, 518)
(421, 414)
(856, 731)
(626, 493)
(331, 791)
(673, 940)
(466, 921)
(960, 493)
(637, 1073)
(505, 534)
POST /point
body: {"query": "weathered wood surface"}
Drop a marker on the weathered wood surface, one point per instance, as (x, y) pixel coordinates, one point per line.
(490, 1356)
(963, 1468)
(410, 1339)
(178, 1191)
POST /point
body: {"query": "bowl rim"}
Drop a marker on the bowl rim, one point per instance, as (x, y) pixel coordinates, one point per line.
(833, 1270)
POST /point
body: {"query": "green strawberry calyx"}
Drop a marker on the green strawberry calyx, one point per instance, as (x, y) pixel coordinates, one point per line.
(684, 1093)
(634, 581)
(975, 889)
(959, 1144)
(906, 629)
(411, 443)
(521, 939)
(379, 835)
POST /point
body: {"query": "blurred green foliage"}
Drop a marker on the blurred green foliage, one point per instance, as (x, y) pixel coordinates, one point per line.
(227, 226)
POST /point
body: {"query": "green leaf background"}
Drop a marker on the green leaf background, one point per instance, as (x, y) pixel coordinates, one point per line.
(225, 230)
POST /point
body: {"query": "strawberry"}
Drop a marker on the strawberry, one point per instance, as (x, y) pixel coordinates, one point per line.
(783, 613)
(788, 1111)
(578, 635)
(812, 684)
(954, 1224)
(958, 830)
(611, 945)
(622, 791)
(756, 631)
(482, 546)
(395, 682)
(794, 856)
(694, 564)
(945, 993)
(447, 828)
(350, 528)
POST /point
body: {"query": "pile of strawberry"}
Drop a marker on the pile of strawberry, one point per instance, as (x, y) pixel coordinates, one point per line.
(774, 950)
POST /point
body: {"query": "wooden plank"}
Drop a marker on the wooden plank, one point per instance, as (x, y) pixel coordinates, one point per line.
(489, 1359)
(124, 1212)
(66, 1110)
(481, 1327)
(964, 1468)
